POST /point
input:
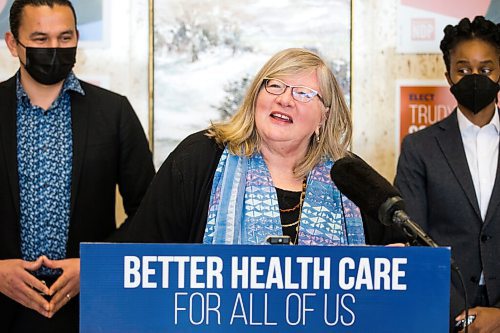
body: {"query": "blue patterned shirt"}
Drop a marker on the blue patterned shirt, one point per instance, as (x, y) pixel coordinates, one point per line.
(44, 162)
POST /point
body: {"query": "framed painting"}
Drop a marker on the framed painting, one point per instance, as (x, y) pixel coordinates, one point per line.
(206, 52)
(4, 16)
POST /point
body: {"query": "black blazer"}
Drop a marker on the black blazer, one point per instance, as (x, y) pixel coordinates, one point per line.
(109, 149)
(434, 179)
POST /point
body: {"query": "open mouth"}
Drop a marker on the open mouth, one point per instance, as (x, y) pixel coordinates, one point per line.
(281, 117)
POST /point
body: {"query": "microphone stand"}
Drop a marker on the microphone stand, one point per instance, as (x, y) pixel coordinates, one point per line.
(413, 230)
(419, 237)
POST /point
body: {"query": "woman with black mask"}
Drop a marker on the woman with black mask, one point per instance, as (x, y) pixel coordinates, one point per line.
(449, 173)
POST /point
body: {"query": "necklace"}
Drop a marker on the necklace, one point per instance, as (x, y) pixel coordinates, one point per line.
(292, 215)
(302, 196)
(290, 224)
(287, 210)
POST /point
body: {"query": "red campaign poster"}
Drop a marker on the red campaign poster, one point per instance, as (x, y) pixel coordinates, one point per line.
(421, 105)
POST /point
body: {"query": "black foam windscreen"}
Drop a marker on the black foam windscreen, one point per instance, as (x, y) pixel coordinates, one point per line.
(362, 184)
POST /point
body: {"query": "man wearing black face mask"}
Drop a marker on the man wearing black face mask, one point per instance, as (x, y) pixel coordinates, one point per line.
(64, 147)
(449, 173)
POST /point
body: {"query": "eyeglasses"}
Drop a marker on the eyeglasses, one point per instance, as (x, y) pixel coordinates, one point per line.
(299, 93)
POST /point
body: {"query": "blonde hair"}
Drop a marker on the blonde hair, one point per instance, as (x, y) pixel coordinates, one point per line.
(240, 135)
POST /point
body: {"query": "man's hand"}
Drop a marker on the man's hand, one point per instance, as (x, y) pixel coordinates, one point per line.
(487, 320)
(67, 285)
(19, 284)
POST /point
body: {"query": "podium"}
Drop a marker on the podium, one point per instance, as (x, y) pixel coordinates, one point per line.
(269, 288)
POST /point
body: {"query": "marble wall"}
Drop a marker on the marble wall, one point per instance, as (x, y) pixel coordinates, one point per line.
(376, 67)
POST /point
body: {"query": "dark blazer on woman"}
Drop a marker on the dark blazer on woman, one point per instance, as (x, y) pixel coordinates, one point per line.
(434, 179)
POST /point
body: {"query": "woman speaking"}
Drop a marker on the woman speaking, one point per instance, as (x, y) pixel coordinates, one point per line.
(264, 172)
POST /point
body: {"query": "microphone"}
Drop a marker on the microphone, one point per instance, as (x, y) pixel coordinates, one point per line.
(375, 196)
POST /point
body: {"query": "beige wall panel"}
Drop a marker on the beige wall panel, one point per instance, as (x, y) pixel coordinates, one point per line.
(376, 67)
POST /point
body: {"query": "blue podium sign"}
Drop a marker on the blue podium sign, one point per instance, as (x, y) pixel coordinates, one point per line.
(222, 288)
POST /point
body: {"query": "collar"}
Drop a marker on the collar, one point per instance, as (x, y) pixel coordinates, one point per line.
(70, 84)
(466, 126)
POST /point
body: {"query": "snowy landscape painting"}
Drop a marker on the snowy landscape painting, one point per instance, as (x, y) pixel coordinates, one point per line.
(206, 52)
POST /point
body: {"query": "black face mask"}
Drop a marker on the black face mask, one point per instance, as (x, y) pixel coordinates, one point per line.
(475, 91)
(49, 65)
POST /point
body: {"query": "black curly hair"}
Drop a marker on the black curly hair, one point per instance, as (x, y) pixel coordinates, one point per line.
(479, 28)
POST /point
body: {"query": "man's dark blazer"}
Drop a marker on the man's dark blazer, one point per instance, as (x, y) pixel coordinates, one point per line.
(434, 179)
(109, 149)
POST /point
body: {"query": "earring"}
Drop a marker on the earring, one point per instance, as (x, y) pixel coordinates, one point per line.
(317, 134)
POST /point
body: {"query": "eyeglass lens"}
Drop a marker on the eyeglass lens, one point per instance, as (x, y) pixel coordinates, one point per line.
(299, 93)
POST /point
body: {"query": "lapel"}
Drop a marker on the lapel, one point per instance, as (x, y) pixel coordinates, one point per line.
(495, 196)
(9, 136)
(79, 123)
(451, 144)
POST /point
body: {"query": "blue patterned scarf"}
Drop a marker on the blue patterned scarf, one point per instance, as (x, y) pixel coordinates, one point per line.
(244, 208)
